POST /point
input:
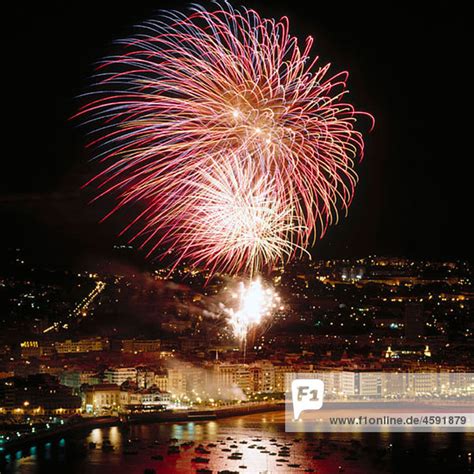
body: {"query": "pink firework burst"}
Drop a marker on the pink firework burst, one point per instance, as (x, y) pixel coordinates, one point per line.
(238, 146)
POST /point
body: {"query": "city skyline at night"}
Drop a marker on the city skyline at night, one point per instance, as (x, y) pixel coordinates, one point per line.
(212, 261)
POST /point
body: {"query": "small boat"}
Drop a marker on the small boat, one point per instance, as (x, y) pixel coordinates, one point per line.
(294, 465)
(212, 445)
(242, 467)
(200, 460)
(202, 450)
(203, 471)
(130, 451)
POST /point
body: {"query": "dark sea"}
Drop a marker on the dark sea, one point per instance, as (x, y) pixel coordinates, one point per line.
(250, 444)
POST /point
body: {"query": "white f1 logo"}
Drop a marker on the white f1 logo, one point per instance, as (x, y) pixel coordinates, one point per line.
(306, 394)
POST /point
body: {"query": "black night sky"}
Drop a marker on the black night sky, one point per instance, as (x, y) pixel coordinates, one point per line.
(409, 66)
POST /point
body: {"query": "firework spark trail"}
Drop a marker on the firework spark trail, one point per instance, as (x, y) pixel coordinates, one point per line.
(238, 215)
(240, 148)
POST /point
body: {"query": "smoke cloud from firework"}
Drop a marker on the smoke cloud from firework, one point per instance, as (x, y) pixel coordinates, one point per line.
(238, 148)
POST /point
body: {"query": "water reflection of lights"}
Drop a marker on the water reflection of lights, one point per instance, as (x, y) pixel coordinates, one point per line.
(212, 428)
(115, 435)
(96, 435)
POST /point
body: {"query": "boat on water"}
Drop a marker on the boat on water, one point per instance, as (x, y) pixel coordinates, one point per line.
(130, 451)
(201, 450)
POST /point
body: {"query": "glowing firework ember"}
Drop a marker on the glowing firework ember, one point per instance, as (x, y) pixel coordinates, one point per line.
(238, 148)
(255, 303)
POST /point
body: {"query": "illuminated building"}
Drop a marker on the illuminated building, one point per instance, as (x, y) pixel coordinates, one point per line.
(76, 378)
(233, 375)
(145, 377)
(119, 375)
(84, 345)
(176, 382)
(29, 349)
(150, 399)
(102, 397)
(161, 381)
(135, 346)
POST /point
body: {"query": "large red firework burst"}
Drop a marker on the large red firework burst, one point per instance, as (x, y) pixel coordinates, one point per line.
(240, 148)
